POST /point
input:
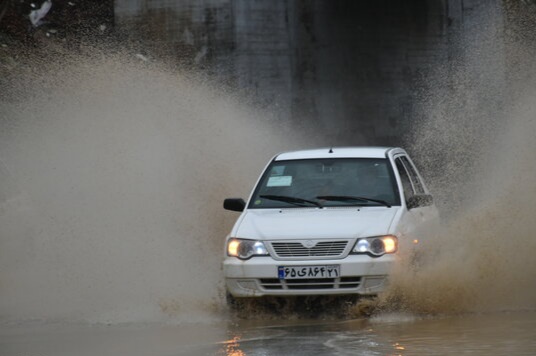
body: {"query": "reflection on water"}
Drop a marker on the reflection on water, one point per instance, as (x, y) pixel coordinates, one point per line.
(394, 334)
(506, 333)
(232, 347)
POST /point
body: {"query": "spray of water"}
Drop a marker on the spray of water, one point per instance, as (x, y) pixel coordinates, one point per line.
(477, 146)
(113, 176)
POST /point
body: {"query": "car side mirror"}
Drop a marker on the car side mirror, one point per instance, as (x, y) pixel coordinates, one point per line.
(420, 200)
(234, 204)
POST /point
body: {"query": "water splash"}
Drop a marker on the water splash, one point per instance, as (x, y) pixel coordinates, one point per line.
(113, 175)
(477, 144)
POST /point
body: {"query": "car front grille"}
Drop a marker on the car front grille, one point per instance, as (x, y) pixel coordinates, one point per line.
(307, 284)
(298, 249)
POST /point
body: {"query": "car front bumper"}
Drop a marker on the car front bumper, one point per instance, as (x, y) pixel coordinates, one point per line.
(258, 276)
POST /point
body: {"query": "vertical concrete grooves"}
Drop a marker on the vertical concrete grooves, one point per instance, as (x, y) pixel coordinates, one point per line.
(350, 68)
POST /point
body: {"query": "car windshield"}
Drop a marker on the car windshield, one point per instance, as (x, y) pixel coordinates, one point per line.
(326, 183)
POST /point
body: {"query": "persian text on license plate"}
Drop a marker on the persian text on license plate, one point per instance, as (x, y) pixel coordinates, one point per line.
(303, 272)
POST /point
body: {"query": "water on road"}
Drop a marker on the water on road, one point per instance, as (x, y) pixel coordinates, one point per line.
(111, 227)
(504, 333)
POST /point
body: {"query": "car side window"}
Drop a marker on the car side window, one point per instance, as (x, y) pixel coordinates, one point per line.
(404, 177)
(417, 184)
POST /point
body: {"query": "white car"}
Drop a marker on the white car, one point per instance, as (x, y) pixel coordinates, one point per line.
(326, 222)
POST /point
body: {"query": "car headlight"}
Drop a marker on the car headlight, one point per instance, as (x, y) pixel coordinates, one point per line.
(377, 246)
(245, 249)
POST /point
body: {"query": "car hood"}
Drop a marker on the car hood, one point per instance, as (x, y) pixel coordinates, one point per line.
(274, 224)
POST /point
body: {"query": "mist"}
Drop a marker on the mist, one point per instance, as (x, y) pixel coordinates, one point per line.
(475, 143)
(113, 172)
(113, 177)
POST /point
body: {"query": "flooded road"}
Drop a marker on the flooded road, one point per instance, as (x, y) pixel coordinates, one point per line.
(111, 228)
(389, 334)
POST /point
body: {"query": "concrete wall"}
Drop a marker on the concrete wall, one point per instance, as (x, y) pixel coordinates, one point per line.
(351, 67)
(366, 57)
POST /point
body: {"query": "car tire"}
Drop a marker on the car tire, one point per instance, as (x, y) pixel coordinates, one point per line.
(232, 302)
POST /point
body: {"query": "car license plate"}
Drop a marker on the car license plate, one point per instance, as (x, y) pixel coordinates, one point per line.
(304, 272)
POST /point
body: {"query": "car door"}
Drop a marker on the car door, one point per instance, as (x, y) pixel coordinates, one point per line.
(427, 212)
(417, 221)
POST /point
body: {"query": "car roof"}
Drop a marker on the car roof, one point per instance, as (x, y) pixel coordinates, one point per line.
(338, 152)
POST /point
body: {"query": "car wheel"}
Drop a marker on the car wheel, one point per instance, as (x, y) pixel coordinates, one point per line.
(232, 302)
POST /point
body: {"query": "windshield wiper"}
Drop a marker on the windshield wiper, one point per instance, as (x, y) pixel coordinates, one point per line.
(291, 200)
(352, 198)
